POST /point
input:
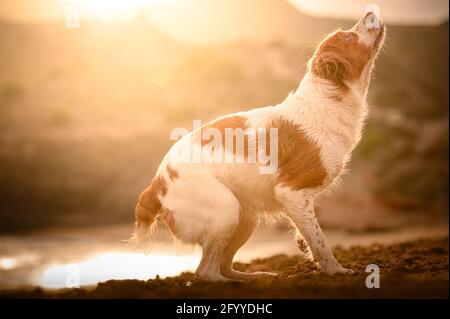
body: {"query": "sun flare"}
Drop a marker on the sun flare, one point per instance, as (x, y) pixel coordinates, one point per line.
(118, 9)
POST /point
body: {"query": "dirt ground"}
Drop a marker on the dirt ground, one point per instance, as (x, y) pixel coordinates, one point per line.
(415, 269)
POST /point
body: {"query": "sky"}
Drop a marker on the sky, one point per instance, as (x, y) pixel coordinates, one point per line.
(393, 11)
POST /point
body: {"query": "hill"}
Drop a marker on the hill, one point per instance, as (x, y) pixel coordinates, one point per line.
(207, 22)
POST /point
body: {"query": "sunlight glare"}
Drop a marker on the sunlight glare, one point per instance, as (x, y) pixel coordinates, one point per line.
(8, 263)
(118, 9)
(115, 265)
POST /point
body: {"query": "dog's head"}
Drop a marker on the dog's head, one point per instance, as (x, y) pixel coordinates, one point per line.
(346, 56)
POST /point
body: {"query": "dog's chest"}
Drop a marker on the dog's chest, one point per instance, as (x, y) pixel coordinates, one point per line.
(337, 145)
(336, 134)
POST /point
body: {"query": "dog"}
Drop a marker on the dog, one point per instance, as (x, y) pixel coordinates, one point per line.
(218, 205)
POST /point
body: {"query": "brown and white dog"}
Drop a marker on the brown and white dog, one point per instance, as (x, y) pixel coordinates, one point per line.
(218, 205)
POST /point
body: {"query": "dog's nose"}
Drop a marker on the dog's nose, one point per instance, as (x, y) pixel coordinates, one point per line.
(369, 21)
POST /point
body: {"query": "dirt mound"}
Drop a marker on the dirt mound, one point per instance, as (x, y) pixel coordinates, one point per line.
(416, 269)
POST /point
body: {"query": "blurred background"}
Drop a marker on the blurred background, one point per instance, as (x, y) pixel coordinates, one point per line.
(85, 117)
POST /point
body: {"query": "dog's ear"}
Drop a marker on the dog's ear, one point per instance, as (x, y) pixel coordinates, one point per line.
(332, 67)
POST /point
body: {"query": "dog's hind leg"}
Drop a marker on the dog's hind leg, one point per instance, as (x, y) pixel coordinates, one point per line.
(246, 226)
(213, 250)
(208, 269)
(202, 210)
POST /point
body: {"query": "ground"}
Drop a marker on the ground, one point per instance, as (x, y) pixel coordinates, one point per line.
(414, 269)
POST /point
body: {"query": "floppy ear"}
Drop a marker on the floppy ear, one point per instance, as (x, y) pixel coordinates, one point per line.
(332, 67)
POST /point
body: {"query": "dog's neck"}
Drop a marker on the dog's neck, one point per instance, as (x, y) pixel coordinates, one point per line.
(322, 92)
(315, 108)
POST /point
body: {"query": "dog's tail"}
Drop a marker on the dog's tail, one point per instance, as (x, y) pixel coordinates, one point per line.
(147, 209)
(145, 219)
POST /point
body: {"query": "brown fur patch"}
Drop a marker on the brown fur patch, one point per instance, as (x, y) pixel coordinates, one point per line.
(299, 160)
(230, 122)
(149, 204)
(340, 57)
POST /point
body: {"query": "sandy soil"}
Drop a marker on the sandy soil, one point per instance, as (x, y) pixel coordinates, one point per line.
(413, 269)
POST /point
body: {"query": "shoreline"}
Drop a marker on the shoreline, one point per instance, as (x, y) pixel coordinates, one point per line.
(413, 269)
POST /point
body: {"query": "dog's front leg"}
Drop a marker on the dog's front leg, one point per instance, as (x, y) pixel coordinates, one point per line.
(300, 208)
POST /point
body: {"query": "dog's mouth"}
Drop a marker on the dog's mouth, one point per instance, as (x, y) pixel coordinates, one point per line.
(379, 39)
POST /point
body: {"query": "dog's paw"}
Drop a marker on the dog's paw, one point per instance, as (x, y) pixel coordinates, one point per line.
(332, 267)
(265, 274)
(347, 271)
(339, 270)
